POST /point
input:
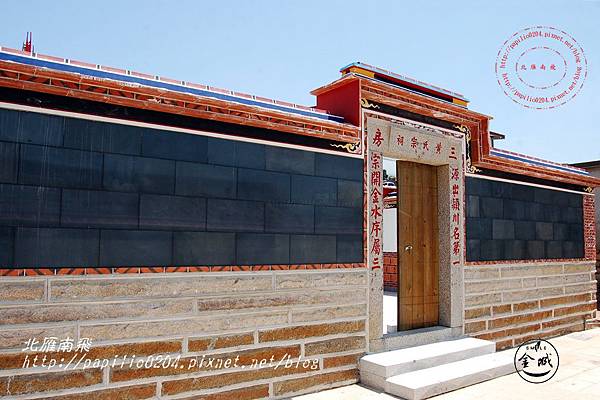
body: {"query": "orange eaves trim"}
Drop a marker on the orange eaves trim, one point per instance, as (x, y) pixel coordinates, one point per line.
(27, 77)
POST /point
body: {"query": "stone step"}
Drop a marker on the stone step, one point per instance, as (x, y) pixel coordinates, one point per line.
(376, 368)
(430, 382)
(419, 337)
(592, 323)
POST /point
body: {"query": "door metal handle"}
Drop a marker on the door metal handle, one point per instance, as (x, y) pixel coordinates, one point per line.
(408, 248)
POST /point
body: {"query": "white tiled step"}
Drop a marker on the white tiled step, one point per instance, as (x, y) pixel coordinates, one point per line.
(376, 368)
(429, 382)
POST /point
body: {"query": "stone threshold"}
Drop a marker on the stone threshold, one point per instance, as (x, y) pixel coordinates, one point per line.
(419, 337)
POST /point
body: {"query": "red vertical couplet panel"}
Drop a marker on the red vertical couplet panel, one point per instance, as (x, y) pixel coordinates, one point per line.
(376, 210)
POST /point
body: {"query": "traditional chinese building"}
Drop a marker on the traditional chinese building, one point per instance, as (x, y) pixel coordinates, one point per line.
(155, 217)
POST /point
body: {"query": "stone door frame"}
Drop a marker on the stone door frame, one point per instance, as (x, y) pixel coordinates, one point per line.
(406, 140)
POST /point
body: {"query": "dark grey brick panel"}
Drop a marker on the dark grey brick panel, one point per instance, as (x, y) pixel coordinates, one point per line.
(503, 229)
(34, 128)
(9, 158)
(174, 146)
(526, 222)
(122, 248)
(161, 212)
(350, 194)
(492, 250)
(205, 180)
(314, 190)
(99, 209)
(55, 247)
(7, 242)
(576, 232)
(536, 249)
(313, 248)
(235, 216)
(9, 125)
(349, 248)
(138, 174)
(290, 160)
(236, 154)
(339, 167)
(474, 249)
(480, 228)
(123, 195)
(289, 218)
(572, 249)
(515, 209)
(262, 249)
(544, 231)
(263, 185)
(491, 207)
(249, 155)
(525, 230)
(58, 167)
(554, 249)
(338, 220)
(103, 137)
(203, 248)
(561, 231)
(515, 249)
(29, 205)
(473, 206)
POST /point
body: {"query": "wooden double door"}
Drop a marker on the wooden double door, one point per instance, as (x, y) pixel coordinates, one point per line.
(418, 245)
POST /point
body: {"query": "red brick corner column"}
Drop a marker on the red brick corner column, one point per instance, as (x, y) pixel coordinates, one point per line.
(589, 227)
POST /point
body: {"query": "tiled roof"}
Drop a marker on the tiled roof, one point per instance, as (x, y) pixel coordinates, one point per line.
(405, 79)
(137, 78)
(538, 161)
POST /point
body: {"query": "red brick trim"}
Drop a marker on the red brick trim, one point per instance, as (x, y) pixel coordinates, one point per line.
(160, 270)
(589, 227)
(390, 270)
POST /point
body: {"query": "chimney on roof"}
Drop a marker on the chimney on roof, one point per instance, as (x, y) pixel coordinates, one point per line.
(27, 45)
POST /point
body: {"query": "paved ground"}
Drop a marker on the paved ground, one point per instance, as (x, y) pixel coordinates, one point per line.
(577, 378)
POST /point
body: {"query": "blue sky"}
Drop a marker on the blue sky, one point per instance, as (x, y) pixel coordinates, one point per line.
(283, 49)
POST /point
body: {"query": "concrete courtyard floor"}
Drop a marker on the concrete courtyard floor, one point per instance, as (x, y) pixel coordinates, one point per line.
(577, 378)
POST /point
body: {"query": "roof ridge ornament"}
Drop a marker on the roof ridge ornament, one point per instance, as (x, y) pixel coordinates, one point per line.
(28, 43)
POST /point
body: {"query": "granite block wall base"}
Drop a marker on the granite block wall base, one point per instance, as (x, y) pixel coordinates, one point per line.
(512, 303)
(314, 321)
